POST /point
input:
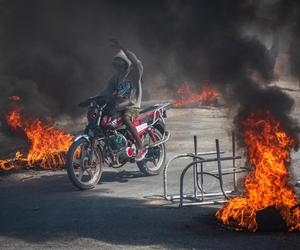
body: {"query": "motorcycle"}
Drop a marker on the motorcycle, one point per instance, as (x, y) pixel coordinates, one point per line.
(107, 141)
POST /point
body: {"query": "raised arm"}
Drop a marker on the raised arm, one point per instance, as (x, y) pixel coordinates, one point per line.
(134, 60)
(130, 55)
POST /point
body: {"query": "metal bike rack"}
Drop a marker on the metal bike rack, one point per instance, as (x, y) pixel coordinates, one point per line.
(199, 196)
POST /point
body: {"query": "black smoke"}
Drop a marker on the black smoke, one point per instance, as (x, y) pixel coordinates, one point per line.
(56, 53)
(289, 14)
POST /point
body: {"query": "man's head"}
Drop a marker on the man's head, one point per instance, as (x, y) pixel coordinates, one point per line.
(121, 63)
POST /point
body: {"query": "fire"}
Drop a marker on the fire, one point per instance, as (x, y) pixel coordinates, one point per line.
(268, 151)
(47, 144)
(206, 96)
(15, 98)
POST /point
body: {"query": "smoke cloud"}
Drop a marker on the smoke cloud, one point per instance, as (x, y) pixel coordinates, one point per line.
(56, 53)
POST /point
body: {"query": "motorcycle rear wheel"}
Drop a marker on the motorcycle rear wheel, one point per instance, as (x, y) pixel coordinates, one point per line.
(155, 158)
(82, 173)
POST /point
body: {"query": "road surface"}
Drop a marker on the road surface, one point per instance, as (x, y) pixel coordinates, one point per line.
(42, 210)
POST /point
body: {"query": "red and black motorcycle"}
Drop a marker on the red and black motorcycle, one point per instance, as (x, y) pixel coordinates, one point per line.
(107, 141)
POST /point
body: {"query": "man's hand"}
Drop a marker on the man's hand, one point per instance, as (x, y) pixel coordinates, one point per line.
(116, 44)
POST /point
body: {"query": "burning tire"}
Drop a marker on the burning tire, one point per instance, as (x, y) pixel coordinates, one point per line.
(84, 174)
(155, 158)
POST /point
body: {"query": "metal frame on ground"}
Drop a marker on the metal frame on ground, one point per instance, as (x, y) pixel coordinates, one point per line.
(199, 196)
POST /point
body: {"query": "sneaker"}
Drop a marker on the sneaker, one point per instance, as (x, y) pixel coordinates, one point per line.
(141, 154)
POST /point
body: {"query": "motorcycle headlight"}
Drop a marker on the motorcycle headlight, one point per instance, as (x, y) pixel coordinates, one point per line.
(92, 115)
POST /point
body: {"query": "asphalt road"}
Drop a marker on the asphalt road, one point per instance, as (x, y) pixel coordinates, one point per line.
(41, 209)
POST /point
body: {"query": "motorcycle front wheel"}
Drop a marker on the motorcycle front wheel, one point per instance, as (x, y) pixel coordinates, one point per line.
(84, 174)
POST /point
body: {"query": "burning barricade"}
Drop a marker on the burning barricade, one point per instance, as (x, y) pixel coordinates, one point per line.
(187, 97)
(267, 186)
(48, 144)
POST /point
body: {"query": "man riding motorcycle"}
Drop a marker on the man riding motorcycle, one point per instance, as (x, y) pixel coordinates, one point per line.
(126, 88)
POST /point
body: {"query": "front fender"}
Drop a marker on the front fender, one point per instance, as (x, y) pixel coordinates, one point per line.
(87, 138)
(78, 137)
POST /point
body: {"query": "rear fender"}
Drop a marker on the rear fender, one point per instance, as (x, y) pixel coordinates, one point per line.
(160, 126)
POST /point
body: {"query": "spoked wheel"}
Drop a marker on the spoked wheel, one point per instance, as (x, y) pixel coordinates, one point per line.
(156, 156)
(84, 174)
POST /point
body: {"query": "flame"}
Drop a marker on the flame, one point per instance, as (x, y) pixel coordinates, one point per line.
(268, 151)
(47, 144)
(206, 96)
(15, 98)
